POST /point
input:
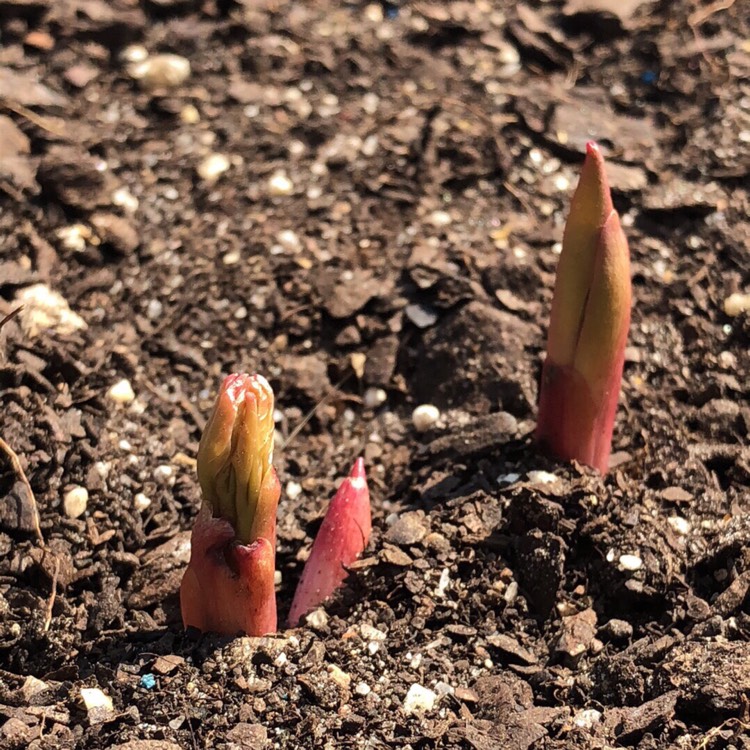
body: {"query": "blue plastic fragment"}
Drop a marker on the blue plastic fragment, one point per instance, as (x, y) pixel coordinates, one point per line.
(648, 76)
(148, 681)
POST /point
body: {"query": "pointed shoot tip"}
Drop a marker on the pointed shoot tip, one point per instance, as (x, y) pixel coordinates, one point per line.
(592, 148)
(358, 470)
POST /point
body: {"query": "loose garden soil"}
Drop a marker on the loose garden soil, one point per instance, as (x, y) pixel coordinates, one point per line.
(365, 202)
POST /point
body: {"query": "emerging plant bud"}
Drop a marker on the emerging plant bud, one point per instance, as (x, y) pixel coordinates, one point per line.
(588, 326)
(342, 537)
(228, 586)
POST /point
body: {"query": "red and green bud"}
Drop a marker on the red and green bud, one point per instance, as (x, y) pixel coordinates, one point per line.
(342, 537)
(588, 326)
(228, 586)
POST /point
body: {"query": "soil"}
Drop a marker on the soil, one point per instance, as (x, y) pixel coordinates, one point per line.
(377, 227)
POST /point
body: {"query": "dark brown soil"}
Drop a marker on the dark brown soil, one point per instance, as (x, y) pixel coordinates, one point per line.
(425, 154)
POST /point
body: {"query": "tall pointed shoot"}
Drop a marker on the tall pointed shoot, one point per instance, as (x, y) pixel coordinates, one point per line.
(228, 587)
(589, 326)
(342, 537)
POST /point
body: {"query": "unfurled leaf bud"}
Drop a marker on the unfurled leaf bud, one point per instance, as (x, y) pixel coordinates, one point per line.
(588, 327)
(342, 537)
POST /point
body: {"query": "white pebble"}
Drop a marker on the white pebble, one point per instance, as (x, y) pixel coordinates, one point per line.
(75, 237)
(121, 392)
(362, 689)
(630, 562)
(134, 53)
(75, 501)
(561, 182)
(370, 103)
(98, 705)
(541, 477)
(439, 218)
(735, 304)
(161, 71)
(280, 184)
(317, 619)
(374, 397)
(141, 502)
(587, 718)
(679, 525)
(154, 309)
(45, 309)
(123, 198)
(419, 699)
(425, 417)
(293, 490)
(164, 474)
(212, 167)
(289, 240)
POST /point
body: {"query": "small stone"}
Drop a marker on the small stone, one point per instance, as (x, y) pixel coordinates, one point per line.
(293, 490)
(425, 417)
(160, 71)
(44, 309)
(421, 316)
(541, 477)
(617, 630)
(141, 502)
(679, 525)
(280, 184)
(439, 218)
(123, 198)
(370, 633)
(154, 309)
(443, 688)
(134, 53)
(362, 689)
(419, 699)
(121, 392)
(735, 304)
(406, 530)
(317, 619)
(587, 718)
(98, 705)
(75, 501)
(374, 397)
(164, 474)
(212, 167)
(630, 562)
(190, 115)
(339, 677)
(289, 240)
(75, 237)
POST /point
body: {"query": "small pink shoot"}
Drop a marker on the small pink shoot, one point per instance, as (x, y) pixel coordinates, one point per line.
(342, 537)
(228, 587)
(588, 327)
